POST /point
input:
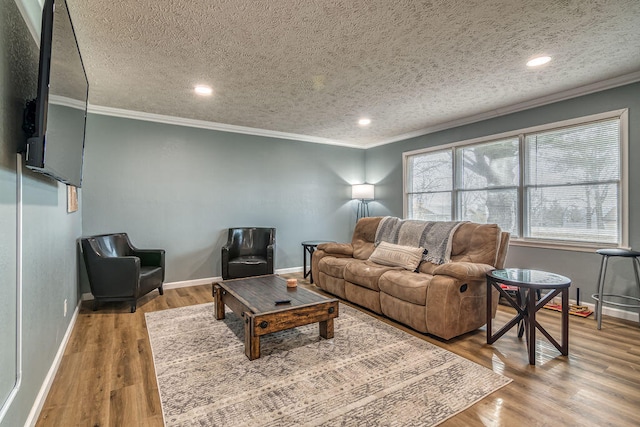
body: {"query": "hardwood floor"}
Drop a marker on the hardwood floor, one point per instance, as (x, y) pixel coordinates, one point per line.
(106, 376)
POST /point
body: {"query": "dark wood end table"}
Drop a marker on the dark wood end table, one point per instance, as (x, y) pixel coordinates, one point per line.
(308, 247)
(254, 299)
(529, 282)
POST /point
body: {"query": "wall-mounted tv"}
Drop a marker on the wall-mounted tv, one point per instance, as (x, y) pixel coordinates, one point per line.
(58, 114)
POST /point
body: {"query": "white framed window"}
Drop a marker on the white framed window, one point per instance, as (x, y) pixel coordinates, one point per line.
(560, 184)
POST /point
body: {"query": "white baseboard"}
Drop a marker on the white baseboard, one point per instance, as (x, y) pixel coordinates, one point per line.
(202, 281)
(209, 280)
(606, 310)
(53, 370)
(192, 282)
(289, 270)
(612, 311)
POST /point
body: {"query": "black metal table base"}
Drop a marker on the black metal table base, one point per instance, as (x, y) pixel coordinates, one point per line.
(527, 305)
(308, 248)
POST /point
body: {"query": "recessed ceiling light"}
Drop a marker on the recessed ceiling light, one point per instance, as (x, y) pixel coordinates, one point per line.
(203, 90)
(540, 60)
(364, 122)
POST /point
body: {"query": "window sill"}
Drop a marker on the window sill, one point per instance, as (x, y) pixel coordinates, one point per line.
(563, 246)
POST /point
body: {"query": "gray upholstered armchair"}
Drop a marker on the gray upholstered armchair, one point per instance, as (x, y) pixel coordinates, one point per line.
(118, 271)
(248, 252)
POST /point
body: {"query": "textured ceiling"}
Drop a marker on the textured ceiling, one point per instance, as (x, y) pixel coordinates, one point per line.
(314, 67)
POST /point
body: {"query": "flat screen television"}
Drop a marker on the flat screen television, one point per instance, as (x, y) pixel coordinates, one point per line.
(55, 146)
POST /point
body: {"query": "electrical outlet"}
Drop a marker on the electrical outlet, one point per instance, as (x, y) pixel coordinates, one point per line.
(65, 307)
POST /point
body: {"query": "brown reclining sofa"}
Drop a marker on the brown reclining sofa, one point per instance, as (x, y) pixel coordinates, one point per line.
(444, 300)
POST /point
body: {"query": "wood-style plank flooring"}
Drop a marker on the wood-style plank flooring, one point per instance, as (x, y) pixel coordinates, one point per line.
(106, 376)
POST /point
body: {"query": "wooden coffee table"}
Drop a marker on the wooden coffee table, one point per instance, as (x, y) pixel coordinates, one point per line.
(254, 298)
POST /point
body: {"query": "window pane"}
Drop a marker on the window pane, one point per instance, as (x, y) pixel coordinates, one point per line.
(491, 206)
(576, 213)
(489, 165)
(430, 172)
(579, 154)
(429, 206)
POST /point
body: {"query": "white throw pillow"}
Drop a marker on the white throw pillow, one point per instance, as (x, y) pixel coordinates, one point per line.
(407, 257)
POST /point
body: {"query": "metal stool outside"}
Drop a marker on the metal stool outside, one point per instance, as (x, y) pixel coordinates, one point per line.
(599, 297)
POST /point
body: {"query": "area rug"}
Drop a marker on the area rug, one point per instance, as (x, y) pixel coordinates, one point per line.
(369, 374)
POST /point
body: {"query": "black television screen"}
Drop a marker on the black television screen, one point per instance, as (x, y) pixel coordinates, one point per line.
(57, 146)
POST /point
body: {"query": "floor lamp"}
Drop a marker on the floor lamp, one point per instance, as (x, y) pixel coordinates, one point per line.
(364, 193)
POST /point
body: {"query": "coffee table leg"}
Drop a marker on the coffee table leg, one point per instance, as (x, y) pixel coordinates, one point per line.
(218, 302)
(326, 329)
(251, 341)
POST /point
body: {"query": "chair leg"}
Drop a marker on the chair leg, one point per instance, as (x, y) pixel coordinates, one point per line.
(161, 290)
(603, 272)
(133, 307)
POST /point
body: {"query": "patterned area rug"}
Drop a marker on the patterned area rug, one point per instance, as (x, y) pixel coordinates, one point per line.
(370, 374)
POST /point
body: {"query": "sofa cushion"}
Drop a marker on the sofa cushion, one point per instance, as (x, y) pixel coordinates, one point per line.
(363, 296)
(365, 273)
(330, 284)
(413, 315)
(406, 285)
(333, 266)
(407, 257)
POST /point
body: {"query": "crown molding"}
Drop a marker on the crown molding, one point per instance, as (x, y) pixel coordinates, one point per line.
(67, 102)
(527, 105)
(537, 102)
(203, 124)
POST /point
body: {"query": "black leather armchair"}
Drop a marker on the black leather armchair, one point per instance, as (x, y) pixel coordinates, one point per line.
(248, 252)
(118, 271)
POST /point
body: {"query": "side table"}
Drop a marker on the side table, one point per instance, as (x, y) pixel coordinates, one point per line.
(528, 283)
(308, 247)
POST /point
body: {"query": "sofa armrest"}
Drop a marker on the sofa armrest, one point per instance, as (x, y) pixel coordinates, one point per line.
(465, 271)
(337, 248)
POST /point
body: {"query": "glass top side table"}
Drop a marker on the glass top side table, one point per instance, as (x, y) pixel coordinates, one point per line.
(528, 282)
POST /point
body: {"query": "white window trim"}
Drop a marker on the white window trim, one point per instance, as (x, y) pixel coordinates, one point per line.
(622, 115)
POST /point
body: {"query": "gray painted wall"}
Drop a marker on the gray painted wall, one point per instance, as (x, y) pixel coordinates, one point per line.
(181, 188)
(50, 273)
(384, 168)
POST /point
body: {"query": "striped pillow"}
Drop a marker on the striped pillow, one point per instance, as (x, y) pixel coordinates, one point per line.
(407, 257)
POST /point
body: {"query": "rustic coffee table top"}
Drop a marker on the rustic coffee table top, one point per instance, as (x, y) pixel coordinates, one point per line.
(260, 293)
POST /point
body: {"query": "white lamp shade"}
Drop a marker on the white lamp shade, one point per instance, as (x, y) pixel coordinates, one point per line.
(362, 191)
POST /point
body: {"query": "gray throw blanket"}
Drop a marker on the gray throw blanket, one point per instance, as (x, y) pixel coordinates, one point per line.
(435, 237)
